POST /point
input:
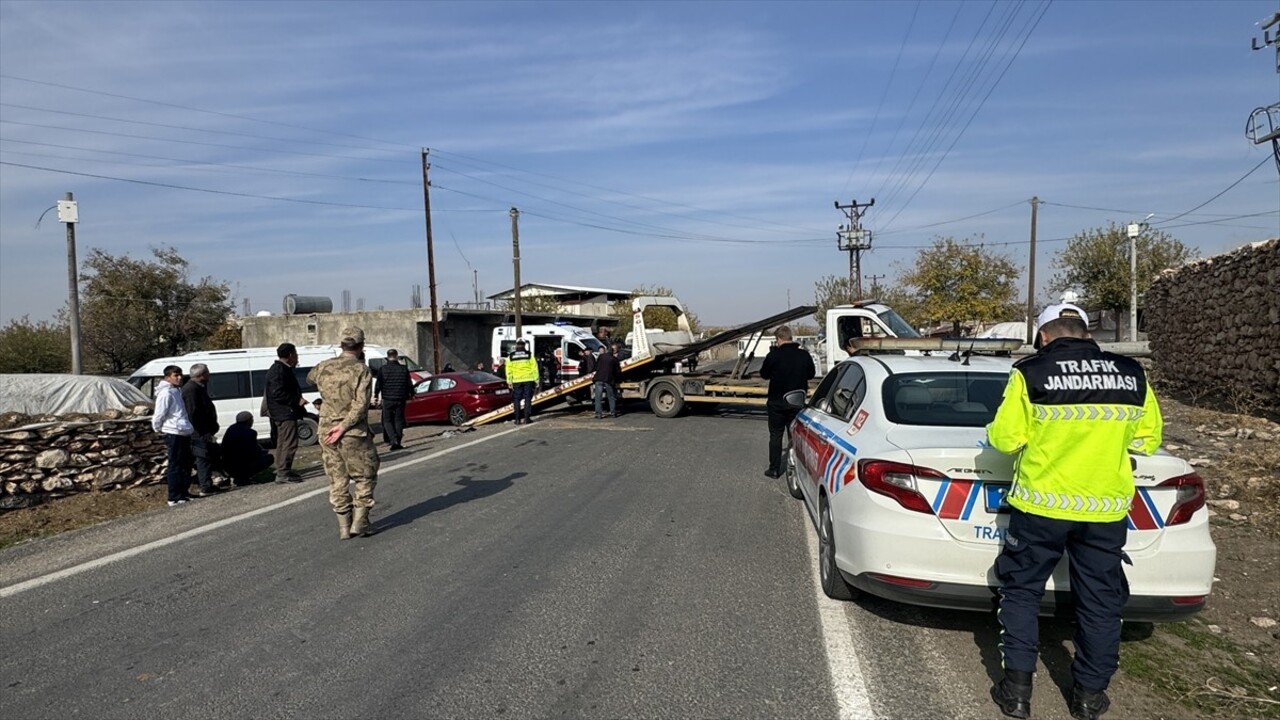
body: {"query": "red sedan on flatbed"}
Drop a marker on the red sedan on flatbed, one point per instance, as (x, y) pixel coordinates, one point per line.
(456, 396)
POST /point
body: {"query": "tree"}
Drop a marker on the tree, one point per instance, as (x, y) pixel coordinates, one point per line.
(40, 347)
(828, 292)
(1096, 262)
(134, 310)
(226, 337)
(654, 317)
(958, 282)
(835, 290)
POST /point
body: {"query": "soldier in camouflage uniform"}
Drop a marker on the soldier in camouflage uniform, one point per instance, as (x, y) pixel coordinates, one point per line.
(346, 386)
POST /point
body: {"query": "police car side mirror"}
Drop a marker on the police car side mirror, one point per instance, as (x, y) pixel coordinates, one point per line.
(794, 399)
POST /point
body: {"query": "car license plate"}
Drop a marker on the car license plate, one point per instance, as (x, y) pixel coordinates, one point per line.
(995, 498)
(504, 391)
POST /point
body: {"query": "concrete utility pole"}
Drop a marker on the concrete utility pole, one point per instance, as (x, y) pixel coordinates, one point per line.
(515, 261)
(69, 213)
(1135, 231)
(851, 238)
(1031, 276)
(431, 265)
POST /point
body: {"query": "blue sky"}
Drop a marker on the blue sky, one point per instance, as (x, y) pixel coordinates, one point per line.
(699, 146)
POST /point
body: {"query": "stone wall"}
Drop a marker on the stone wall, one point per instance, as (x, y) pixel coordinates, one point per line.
(57, 455)
(1214, 325)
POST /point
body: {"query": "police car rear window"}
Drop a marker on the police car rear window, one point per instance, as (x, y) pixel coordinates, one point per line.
(950, 399)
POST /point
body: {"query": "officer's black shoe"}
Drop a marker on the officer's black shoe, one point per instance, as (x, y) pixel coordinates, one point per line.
(1087, 704)
(772, 473)
(1013, 694)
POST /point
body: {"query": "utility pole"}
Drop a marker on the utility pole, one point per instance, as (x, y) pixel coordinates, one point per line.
(1031, 276)
(431, 265)
(851, 238)
(1135, 231)
(515, 261)
(875, 280)
(69, 213)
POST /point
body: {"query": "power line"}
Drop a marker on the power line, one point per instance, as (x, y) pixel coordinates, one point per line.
(1123, 211)
(948, 222)
(193, 129)
(207, 190)
(202, 110)
(1026, 36)
(199, 142)
(884, 94)
(249, 168)
(1220, 194)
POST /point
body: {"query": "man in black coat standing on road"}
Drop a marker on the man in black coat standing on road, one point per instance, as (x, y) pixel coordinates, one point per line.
(394, 386)
(787, 367)
(284, 403)
(204, 423)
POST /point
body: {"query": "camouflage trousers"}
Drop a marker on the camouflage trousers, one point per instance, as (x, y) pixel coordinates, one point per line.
(351, 458)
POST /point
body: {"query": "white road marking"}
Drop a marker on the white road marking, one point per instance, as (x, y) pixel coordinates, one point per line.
(853, 701)
(36, 582)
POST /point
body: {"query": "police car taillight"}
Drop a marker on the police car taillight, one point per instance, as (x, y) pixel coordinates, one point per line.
(1190, 497)
(897, 481)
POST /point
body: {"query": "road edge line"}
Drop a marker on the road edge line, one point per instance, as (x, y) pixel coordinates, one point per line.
(853, 700)
(41, 580)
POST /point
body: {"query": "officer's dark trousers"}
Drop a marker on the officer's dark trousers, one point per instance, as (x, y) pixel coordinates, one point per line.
(1032, 549)
(780, 416)
(522, 396)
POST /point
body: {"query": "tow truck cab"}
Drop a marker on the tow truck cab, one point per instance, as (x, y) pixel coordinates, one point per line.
(569, 344)
(868, 319)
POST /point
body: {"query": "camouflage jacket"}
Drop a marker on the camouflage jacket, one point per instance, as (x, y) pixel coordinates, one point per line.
(346, 386)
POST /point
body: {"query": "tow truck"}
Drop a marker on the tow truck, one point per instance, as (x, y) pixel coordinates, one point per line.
(663, 367)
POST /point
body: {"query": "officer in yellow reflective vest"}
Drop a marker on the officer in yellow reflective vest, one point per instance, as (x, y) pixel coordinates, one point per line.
(1072, 414)
(522, 376)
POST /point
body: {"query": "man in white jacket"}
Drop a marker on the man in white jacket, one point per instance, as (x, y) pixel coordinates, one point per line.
(170, 419)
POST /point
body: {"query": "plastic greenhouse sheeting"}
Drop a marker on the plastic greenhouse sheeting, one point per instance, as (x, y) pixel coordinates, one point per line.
(50, 394)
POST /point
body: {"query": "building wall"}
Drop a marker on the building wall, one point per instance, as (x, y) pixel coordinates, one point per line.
(1215, 324)
(465, 336)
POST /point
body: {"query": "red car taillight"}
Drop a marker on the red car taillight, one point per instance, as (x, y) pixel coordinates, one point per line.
(1190, 498)
(897, 481)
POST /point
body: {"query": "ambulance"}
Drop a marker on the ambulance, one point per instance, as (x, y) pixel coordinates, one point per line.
(568, 344)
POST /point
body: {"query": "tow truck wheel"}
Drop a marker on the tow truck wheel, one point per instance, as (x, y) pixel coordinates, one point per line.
(665, 400)
(833, 583)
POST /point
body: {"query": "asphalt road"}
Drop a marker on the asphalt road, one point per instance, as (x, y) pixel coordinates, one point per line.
(635, 567)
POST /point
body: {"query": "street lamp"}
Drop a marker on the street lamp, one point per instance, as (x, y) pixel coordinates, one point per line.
(1135, 229)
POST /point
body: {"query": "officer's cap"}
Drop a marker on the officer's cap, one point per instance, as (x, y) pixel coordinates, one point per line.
(353, 335)
(1059, 312)
(520, 343)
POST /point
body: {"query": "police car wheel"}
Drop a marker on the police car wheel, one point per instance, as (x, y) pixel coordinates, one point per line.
(833, 583)
(308, 432)
(457, 414)
(793, 480)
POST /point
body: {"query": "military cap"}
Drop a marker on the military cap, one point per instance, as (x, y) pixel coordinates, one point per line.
(353, 334)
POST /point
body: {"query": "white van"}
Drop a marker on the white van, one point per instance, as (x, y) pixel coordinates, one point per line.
(238, 379)
(568, 343)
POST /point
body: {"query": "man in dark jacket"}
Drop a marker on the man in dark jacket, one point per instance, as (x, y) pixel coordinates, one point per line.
(285, 404)
(204, 424)
(787, 367)
(608, 372)
(242, 456)
(394, 386)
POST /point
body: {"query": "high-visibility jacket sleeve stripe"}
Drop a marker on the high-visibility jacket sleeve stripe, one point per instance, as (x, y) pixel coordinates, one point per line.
(1146, 440)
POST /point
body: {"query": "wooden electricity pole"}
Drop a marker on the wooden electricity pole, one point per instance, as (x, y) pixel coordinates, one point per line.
(431, 266)
(1031, 276)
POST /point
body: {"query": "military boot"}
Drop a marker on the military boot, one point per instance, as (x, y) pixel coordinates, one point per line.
(1013, 694)
(344, 526)
(360, 526)
(1087, 704)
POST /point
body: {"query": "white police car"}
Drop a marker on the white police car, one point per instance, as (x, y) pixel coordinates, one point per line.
(891, 459)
